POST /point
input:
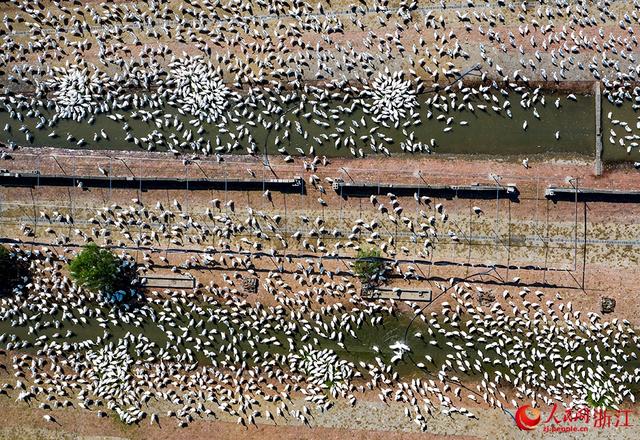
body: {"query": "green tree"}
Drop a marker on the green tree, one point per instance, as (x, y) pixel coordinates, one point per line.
(96, 269)
(368, 264)
(10, 271)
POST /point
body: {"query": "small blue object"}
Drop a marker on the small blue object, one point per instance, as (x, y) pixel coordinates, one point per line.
(116, 297)
(120, 297)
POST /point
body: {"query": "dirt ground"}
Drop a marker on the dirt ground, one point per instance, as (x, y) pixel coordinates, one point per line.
(373, 421)
(25, 423)
(352, 37)
(609, 269)
(612, 277)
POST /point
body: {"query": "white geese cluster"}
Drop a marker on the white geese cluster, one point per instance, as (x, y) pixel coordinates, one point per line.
(198, 89)
(310, 339)
(325, 369)
(76, 92)
(109, 371)
(250, 70)
(392, 97)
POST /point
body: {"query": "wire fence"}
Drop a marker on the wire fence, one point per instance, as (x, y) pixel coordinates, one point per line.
(529, 232)
(492, 238)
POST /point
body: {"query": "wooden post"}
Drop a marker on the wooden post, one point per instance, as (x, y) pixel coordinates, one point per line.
(598, 158)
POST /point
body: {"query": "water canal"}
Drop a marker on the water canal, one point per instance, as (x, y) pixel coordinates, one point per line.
(485, 133)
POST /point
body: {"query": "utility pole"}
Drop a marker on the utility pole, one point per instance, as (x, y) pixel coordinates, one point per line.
(584, 245)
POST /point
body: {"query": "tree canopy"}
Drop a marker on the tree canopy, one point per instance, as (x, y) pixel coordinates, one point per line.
(368, 264)
(9, 271)
(95, 268)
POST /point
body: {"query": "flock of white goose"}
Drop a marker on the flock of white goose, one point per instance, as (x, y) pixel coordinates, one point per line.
(218, 77)
(308, 340)
(215, 77)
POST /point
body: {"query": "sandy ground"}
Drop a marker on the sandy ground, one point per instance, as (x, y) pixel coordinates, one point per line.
(609, 270)
(352, 38)
(368, 420)
(27, 423)
(613, 276)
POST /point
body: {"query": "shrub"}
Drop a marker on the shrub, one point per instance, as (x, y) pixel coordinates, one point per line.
(96, 269)
(368, 265)
(12, 270)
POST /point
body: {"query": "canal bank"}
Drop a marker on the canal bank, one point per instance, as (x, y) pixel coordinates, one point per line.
(560, 130)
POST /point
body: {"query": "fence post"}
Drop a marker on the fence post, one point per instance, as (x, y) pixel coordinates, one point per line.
(110, 177)
(598, 102)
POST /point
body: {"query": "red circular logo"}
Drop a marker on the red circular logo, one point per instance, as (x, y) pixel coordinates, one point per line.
(527, 418)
